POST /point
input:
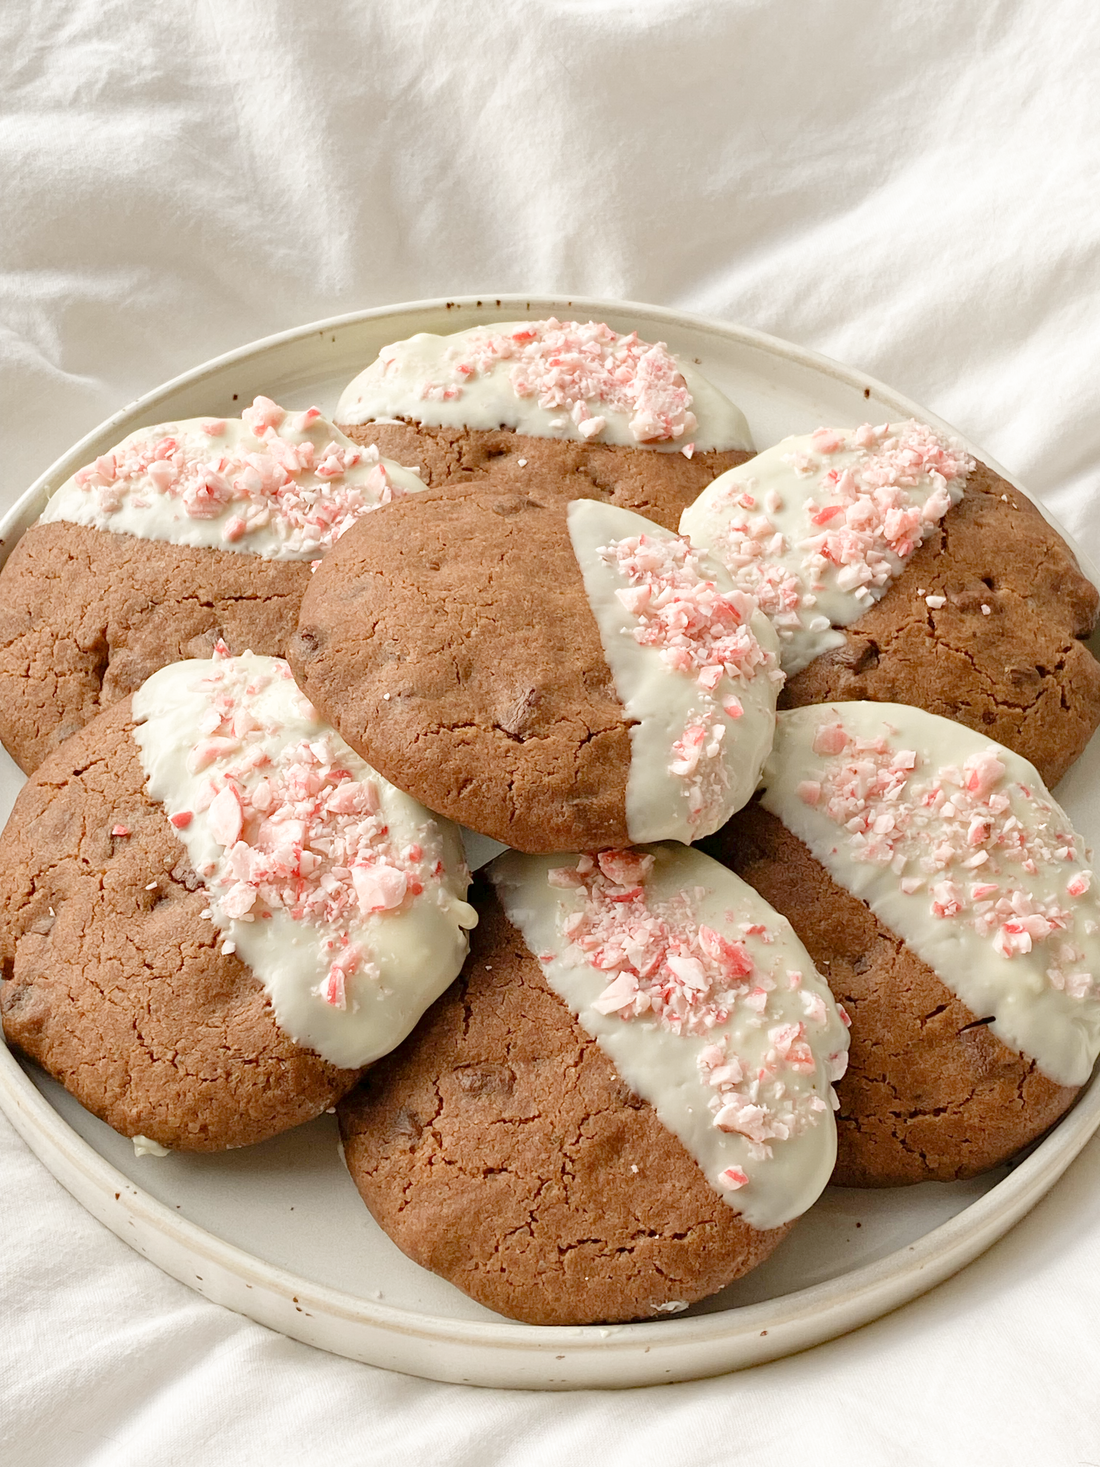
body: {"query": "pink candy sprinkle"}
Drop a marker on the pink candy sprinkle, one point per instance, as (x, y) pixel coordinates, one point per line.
(824, 440)
(263, 414)
(379, 888)
(830, 738)
(226, 816)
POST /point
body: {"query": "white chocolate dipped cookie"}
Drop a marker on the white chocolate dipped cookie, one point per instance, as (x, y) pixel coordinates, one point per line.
(550, 674)
(577, 407)
(946, 897)
(216, 913)
(547, 379)
(637, 1061)
(184, 534)
(897, 569)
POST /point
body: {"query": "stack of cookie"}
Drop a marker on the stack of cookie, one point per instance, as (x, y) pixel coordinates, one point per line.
(234, 883)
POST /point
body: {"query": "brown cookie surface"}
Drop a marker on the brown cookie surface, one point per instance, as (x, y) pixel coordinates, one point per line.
(87, 615)
(1018, 672)
(499, 1148)
(113, 980)
(655, 484)
(449, 639)
(930, 1093)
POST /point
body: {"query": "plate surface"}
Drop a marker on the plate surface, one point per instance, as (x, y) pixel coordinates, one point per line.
(277, 1231)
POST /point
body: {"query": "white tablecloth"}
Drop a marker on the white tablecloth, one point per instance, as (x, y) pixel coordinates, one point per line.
(911, 189)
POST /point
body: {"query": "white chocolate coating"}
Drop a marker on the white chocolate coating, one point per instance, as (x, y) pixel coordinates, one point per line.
(281, 485)
(694, 664)
(956, 846)
(818, 526)
(705, 1001)
(269, 802)
(549, 379)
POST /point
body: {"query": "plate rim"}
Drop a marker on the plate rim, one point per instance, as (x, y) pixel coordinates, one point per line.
(634, 1352)
(794, 1320)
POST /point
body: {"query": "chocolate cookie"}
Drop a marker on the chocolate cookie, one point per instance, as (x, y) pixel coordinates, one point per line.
(579, 409)
(87, 615)
(505, 1148)
(185, 535)
(550, 675)
(217, 914)
(657, 485)
(941, 892)
(116, 983)
(896, 569)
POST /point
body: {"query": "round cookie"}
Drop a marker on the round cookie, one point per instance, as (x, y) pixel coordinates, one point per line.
(502, 1147)
(185, 534)
(215, 915)
(548, 674)
(114, 981)
(896, 569)
(578, 409)
(944, 896)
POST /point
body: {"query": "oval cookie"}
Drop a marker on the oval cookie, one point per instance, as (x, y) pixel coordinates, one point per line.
(506, 1148)
(550, 675)
(945, 896)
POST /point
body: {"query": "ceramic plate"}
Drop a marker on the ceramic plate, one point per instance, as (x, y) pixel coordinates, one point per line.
(277, 1231)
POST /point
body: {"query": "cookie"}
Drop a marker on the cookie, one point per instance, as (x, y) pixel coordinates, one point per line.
(578, 409)
(114, 981)
(896, 569)
(215, 915)
(946, 898)
(184, 534)
(549, 675)
(625, 1165)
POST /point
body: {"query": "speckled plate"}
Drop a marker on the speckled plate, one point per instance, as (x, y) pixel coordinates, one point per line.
(277, 1231)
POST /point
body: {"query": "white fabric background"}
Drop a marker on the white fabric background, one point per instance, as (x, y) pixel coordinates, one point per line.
(911, 189)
